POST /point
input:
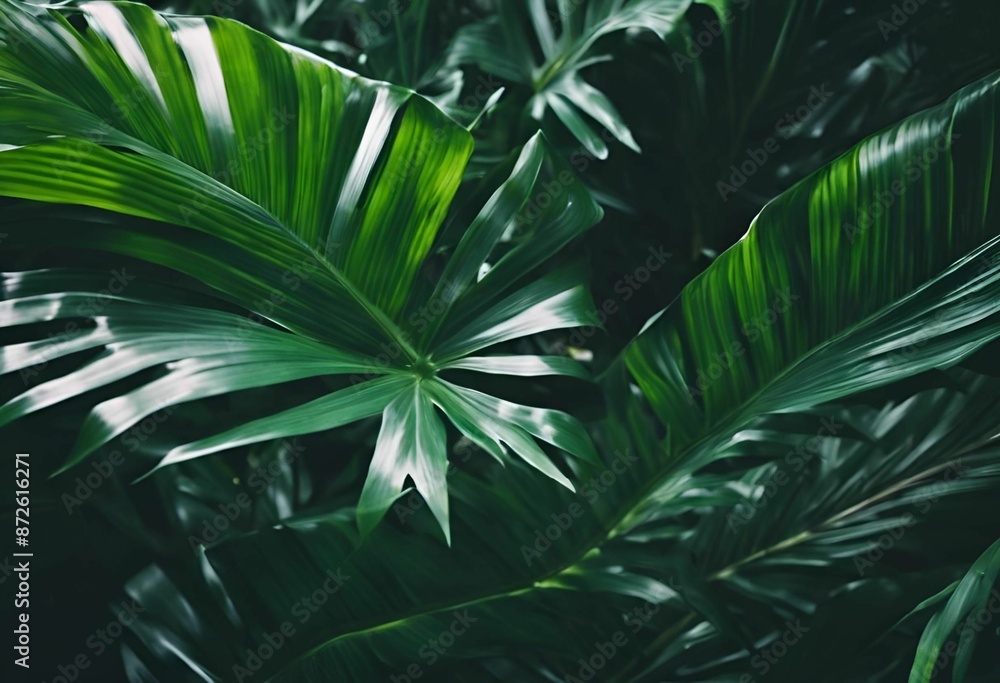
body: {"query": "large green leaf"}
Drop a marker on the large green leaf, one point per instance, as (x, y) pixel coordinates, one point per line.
(722, 561)
(792, 548)
(886, 257)
(296, 191)
(754, 95)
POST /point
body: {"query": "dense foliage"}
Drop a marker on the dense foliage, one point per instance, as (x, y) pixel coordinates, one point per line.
(566, 340)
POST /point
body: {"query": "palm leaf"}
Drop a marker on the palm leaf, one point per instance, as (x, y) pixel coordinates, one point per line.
(296, 191)
(826, 272)
(789, 560)
(653, 531)
(565, 36)
(970, 599)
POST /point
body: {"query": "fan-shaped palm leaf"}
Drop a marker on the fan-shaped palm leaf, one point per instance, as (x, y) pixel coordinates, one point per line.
(301, 193)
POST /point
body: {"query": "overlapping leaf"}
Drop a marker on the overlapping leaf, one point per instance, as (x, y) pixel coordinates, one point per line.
(565, 34)
(971, 602)
(806, 319)
(295, 190)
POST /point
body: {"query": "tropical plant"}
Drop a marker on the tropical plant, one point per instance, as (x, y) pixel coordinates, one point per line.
(333, 246)
(788, 473)
(566, 39)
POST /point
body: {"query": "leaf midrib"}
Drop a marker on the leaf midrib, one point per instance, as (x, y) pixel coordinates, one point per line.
(733, 420)
(377, 314)
(807, 534)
